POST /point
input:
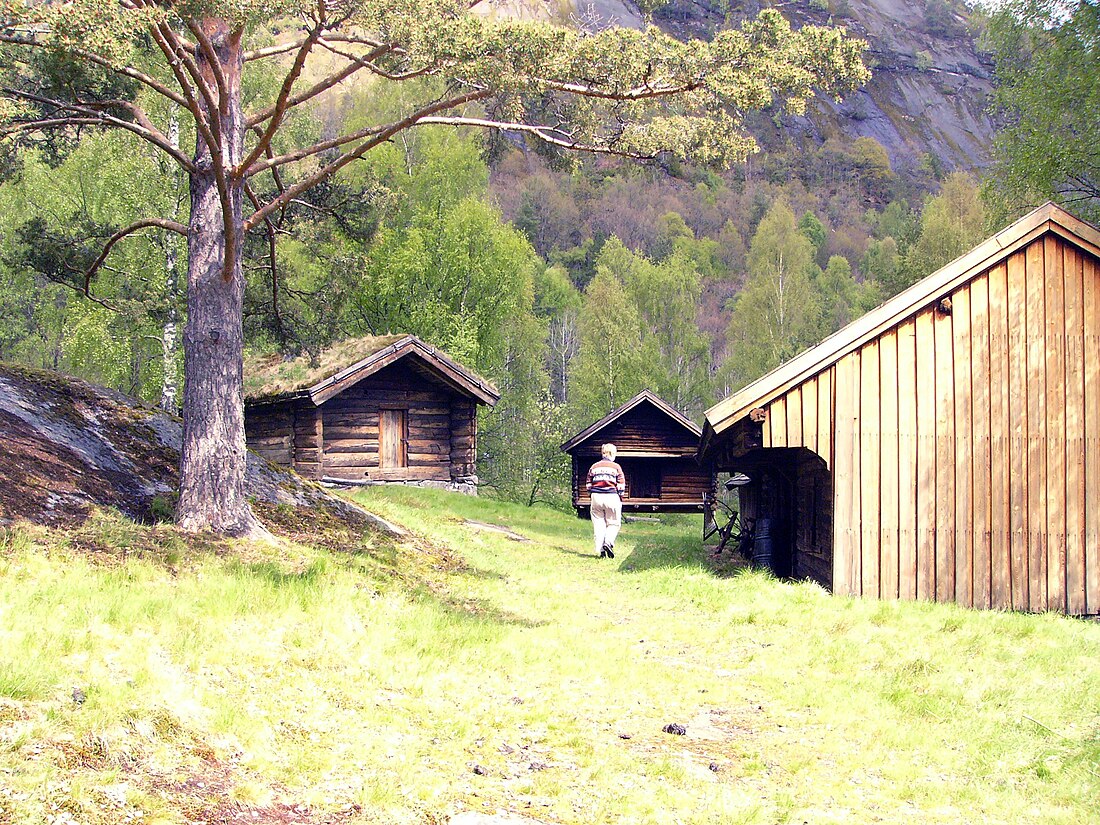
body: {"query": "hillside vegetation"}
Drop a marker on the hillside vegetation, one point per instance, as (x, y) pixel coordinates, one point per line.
(348, 677)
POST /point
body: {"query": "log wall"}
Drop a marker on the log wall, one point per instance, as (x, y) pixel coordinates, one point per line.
(683, 482)
(965, 442)
(287, 434)
(269, 431)
(351, 427)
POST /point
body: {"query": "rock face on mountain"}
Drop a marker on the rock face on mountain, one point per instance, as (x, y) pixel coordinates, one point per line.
(929, 94)
(930, 87)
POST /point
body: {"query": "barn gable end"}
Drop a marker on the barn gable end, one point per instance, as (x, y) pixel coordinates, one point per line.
(954, 432)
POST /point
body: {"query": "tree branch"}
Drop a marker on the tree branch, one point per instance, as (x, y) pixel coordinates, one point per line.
(643, 92)
(92, 57)
(290, 157)
(273, 51)
(282, 103)
(320, 87)
(283, 48)
(91, 112)
(212, 61)
(374, 67)
(172, 226)
(543, 133)
(271, 253)
(276, 177)
(182, 55)
(385, 134)
(191, 102)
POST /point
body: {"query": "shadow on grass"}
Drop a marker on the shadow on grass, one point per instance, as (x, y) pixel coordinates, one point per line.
(482, 610)
(561, 548)
(657, 555)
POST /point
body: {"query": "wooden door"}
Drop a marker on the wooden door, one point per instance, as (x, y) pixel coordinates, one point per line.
(393, 439)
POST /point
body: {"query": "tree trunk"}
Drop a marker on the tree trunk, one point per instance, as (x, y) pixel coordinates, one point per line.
(212, 460)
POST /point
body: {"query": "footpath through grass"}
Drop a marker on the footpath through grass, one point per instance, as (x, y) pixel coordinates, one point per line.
(464, 670)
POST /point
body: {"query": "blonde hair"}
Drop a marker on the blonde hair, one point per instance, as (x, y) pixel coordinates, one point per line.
(608, 451)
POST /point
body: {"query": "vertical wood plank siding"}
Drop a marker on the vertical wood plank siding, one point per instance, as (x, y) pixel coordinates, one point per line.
(1000, 429)
(908, 480)
(889, 448)
(1075, 432)
(963, 448)
(1091, 305)
(964, 442)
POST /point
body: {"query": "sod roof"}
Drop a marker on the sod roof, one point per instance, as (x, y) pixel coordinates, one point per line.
(273, 377)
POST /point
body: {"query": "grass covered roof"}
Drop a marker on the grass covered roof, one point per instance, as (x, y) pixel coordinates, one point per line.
(271, 376)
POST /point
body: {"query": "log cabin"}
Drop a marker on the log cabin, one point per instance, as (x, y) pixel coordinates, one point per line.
(378, 409)
(946, 445)
(656, 448)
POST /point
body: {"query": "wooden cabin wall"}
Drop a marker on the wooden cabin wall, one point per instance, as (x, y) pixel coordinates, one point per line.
(966, 442)
(683, 479)
(463, 454)
(308, 440)
(269, 431)
(287, 434)
(683, 482)
(351, 427)
(644, 429)
(667, 444)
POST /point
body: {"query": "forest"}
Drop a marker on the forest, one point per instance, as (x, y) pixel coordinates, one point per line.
(570, 279)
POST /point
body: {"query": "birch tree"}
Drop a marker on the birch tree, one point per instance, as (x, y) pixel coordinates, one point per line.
(778, 314)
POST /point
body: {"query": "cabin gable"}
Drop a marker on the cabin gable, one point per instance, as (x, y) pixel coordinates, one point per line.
(405, 414)
(656, 449)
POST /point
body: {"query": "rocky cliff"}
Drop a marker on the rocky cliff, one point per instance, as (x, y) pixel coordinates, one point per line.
(929, 94)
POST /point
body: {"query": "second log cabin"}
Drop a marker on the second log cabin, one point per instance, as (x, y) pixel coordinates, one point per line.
(377, 409)
(656, 448)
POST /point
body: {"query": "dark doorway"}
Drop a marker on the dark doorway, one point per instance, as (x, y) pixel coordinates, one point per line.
(643, 478)
(790, 495)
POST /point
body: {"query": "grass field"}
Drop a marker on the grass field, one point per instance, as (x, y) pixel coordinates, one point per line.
(146, 678)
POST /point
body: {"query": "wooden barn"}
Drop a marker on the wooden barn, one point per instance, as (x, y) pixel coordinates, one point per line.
(656, 449)
(945, 446)
(369, 410)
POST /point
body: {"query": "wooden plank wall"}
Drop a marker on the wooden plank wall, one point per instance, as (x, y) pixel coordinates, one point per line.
(269, 431)
(965, 442)
(683, 483)
(351, 422)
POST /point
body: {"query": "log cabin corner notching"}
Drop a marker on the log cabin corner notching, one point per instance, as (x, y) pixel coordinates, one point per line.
(656, 448)
(946, 445)
(379, 409)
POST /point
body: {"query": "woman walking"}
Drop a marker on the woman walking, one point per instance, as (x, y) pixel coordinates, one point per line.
(606, 485)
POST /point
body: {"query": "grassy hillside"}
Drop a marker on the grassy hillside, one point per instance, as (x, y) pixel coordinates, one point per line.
(146, 678)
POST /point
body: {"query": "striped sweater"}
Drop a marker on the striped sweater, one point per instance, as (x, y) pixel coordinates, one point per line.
(606, 477)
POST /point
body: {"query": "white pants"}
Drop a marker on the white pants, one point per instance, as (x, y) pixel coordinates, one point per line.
(607, 511)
